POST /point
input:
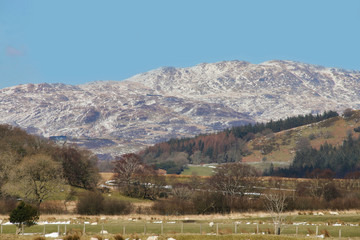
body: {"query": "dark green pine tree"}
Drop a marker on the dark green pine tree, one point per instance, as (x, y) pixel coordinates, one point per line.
(24, 215)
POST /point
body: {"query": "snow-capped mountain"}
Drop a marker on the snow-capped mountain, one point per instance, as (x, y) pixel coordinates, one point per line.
(117, 117)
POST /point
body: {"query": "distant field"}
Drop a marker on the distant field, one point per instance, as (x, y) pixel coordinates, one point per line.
(206, 170)
(266, 165)
(106, 176)
(199, 170)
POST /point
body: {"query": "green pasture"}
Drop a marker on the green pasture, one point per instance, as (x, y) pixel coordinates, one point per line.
(206, 170)
(198, 170)
(259, 228)
(165, 237)
(353, 218)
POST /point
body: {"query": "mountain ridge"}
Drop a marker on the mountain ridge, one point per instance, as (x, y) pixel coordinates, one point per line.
(173, 102)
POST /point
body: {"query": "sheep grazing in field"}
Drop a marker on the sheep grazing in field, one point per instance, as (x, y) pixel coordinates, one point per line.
(153, 238)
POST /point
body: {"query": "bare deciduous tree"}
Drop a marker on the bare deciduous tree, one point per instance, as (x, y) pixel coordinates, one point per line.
(125, 168)
(136, 179)
(352, 180)
(182, 191)
(320, 180)
(234, 178)
(148, 184)
(275, 203)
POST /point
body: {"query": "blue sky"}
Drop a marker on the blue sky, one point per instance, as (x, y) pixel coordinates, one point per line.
(80, 41)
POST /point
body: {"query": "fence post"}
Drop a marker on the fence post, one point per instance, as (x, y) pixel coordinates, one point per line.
(275, 228)
(257, 229)
(235, 228)
(217, 228)
(65, 230)
(297, 230)
(58, 229)
(1, 228)
(44, 228)
(22, 226)
(200, 228)
(144, 228)
(182, 227)
(84, 230)
(124, 230)
(102, 229)
(339, 233)
(317, 230)
(162, 228)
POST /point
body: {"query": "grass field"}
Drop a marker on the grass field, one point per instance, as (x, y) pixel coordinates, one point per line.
(177, 229)
(184, 227)
(165, 237)
(199, 170)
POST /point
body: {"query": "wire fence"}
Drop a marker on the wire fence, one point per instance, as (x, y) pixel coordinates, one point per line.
(160, 228)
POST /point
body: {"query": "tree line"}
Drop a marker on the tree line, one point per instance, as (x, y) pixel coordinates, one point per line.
(282, 124)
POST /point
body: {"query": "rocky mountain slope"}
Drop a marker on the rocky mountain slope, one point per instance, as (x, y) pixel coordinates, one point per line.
(116, 117)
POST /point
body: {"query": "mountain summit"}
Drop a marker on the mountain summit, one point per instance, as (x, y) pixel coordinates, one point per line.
(117, 117)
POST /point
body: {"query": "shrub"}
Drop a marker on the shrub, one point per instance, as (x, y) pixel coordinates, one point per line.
(90, 203)
(118, 237)
(347, 202)
(208, 202)
(93, 203)
(312, 136)
(243, 204)
(308, 203)
(357, 129)
(173, 206)
(52, 207)
(326, 233)
(115, 207)
(72, 237)
(331, 192)
(74, 231)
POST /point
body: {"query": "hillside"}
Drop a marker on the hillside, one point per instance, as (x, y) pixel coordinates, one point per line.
(112, 118)
(284, 144)
(262, 149)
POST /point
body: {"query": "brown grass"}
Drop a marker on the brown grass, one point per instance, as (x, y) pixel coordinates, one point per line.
(105, 176)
